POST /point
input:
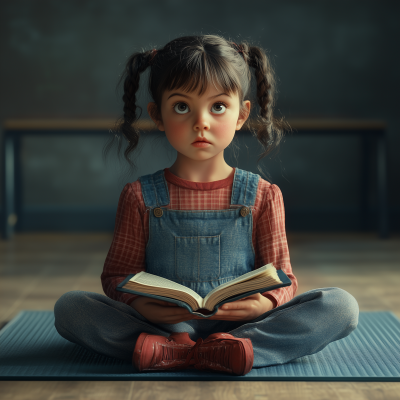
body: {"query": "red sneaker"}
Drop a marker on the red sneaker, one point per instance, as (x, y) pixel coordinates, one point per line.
(154, 352)
(222, 352)
(219, 352)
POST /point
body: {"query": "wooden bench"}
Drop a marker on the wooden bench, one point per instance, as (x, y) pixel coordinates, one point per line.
(15, 129)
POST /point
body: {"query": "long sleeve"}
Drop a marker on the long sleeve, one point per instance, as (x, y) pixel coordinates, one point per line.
(271, 243)
(128, 248)
(127, 252)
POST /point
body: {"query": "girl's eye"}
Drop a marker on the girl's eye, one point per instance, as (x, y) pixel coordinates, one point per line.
(218, 108)
(181, 108)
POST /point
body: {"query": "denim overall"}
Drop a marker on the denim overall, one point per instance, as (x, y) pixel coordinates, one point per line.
(201, 250)
(197, 248)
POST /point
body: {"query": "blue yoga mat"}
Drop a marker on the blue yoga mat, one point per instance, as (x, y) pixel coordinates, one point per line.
(32, 349)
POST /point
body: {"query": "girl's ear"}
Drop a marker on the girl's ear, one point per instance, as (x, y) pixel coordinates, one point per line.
(155, 115)
(243, 115)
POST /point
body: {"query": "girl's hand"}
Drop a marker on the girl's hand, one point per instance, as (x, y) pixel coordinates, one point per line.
(160, 312)
(245, 309)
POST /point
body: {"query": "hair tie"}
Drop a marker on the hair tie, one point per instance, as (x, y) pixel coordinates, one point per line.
(152, 55)
(239, 48)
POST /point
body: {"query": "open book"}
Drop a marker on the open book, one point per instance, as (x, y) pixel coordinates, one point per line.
(259, 280)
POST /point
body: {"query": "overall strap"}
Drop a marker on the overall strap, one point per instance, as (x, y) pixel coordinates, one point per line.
(244, 189)
(155, 189)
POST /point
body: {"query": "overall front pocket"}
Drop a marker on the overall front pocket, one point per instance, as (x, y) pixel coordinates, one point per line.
(197, 258)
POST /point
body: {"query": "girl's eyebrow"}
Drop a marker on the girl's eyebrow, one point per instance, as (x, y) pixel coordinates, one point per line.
(185, 95)
(178, 94)
(221, 94)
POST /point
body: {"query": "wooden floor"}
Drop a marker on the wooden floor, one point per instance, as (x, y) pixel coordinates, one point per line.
(36, 269)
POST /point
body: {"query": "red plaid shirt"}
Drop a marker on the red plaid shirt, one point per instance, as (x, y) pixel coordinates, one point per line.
(127, 252)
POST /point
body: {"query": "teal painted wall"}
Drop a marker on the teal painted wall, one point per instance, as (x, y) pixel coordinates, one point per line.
(333, 59)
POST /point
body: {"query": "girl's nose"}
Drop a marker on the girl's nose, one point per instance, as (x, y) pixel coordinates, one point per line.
(201, 124)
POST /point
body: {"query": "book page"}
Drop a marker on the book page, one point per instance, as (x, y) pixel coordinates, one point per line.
(240, 288)
(144, 278)
(248, 276)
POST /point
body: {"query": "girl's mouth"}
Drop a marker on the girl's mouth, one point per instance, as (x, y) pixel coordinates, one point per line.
(201, 139)
(201, 144)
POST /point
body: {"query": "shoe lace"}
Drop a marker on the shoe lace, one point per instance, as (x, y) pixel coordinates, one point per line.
(193, 353)
(221, 356)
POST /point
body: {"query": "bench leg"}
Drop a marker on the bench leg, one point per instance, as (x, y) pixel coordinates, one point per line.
(9, 217)
(381, 150)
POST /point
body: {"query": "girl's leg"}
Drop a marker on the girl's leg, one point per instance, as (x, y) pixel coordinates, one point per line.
(101, 324)
(302, 326)
(111, 328)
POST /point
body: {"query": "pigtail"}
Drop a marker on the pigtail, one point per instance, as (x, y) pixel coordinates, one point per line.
(270, 130)
(125, 126)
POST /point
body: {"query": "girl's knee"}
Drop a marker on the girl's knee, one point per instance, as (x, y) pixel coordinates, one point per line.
(67, 299)
(66, 304)
(67, 313)
(344, 309)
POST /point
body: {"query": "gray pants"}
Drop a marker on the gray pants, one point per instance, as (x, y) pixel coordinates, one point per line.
(302, 326)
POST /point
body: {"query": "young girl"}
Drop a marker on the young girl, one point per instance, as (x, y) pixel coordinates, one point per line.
(202, 223)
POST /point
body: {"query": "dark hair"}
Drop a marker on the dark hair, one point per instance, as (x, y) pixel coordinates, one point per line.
(192, 63)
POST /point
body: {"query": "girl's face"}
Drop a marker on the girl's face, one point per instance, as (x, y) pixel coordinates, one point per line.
(200, 127)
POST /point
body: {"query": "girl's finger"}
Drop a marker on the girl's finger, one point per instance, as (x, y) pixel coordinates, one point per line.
(229, 314)
(240, 305)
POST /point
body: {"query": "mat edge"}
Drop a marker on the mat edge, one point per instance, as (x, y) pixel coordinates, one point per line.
(216, 379)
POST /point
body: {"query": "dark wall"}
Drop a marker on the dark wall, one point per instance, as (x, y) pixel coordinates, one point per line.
(333, 59)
